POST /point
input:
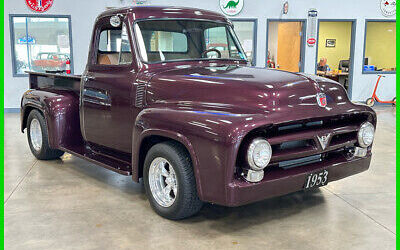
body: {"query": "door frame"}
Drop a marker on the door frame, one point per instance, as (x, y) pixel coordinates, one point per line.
(303, 38)
(255, 21)
(352, 47)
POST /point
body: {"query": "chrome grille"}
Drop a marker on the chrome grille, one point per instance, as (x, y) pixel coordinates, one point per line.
(297, 143)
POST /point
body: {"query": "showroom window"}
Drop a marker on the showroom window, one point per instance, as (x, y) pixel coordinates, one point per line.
(246, 30)
(380, 47)
(40, 43)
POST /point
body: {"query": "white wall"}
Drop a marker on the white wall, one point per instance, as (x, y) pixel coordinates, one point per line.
(83, 14)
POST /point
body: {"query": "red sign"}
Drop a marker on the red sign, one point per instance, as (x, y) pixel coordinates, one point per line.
(39, 5)
(311, 41)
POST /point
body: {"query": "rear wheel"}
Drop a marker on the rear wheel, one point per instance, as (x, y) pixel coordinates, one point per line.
(169, 181)
(370, 102)
(38, 138)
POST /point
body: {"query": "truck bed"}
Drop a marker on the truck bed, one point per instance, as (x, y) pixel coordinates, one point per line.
(43, 81)
(69, 137)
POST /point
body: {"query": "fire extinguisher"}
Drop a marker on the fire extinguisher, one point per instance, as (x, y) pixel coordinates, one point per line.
(68, 66)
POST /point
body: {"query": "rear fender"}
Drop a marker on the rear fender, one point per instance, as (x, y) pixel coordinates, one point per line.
(61, 111)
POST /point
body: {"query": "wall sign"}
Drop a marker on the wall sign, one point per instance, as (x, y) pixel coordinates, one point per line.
(312, 27)
(388, 7)
(285, 8)
(330, 43)
(26, 40)
(311, 41)
(63, 41)
(39, 5)
(231, 7)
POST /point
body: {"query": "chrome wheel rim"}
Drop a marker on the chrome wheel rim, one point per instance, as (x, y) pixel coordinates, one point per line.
(163, 182)
(36, 134)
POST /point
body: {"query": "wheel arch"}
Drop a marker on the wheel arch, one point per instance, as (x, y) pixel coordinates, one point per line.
(27, 110)
(149, 138)
(25, 114)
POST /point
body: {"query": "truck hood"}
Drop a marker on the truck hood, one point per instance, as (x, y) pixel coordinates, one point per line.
(245, 90)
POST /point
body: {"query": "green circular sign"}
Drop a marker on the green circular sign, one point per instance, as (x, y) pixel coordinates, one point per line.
(231, 7)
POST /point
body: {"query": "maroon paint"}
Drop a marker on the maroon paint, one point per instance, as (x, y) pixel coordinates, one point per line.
(211, 107)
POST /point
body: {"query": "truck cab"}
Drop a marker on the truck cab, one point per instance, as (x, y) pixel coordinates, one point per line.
(168, 96)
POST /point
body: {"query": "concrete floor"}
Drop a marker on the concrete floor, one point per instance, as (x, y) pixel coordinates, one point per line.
(73, 204)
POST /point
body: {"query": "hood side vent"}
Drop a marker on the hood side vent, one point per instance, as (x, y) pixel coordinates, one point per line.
(140, 94)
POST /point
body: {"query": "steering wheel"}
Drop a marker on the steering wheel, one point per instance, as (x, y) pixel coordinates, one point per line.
(203, 55)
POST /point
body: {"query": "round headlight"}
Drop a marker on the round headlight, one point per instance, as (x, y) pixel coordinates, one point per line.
(259, 154)
(366, 134)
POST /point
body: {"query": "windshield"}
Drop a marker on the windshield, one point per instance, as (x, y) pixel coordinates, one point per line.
(174, 40)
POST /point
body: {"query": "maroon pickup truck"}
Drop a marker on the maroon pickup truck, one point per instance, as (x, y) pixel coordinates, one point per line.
(195, 123)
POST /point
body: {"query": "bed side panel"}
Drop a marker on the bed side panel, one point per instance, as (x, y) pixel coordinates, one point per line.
(61, 110)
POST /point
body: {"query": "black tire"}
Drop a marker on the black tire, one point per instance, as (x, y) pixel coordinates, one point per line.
(394, 102)
(45, 152)
(187, 202)
(370, 102)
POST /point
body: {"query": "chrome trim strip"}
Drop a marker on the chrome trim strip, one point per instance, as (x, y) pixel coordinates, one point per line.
(97, 102)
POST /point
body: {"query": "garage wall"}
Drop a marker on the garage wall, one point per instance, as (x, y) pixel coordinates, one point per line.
(83, 14)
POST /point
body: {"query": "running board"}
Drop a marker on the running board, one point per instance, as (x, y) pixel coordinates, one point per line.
(102, 160)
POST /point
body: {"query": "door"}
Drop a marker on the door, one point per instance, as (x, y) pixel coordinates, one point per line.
(285, 44)
(108, 87)
(289, 42)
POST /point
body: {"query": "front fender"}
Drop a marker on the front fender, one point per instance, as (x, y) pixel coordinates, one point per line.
(212, 139)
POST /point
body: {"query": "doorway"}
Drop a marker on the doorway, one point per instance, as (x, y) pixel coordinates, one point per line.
(285, 45)
(335, 51)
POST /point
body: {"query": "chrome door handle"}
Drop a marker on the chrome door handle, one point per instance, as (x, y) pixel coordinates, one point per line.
(96, 96)
(86, 78)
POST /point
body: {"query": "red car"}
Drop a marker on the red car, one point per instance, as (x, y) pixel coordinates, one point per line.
(49, 62)
(197, 125)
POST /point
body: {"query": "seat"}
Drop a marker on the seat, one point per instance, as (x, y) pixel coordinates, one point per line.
(108, 59)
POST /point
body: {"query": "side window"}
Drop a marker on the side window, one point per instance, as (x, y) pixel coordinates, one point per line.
(114, 47)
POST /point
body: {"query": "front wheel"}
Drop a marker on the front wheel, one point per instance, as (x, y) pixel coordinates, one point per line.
(169, 181)
(38, 138)
(370, 102)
